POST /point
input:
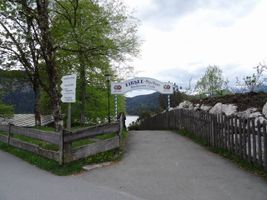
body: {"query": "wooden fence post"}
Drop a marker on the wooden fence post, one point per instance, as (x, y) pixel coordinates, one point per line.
(259, 143)
(121, 128)
(254, 141)
(265, 145)
(249, 139)
(61, 147)
(9, 133)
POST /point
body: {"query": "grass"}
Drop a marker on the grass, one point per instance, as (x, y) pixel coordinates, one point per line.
(106, 136)
(40, 143)
(253, 168)
(82, 142)
(45, 128)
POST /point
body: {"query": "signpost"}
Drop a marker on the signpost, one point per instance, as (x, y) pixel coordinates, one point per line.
(68, 92)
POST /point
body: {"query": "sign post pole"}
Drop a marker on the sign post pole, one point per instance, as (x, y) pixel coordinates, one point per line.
(69, 116)
(169, 102)
(116, 105)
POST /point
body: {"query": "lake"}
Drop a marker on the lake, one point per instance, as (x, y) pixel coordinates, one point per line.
(130, 119)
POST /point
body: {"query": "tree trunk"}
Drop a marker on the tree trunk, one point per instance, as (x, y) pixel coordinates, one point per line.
(83, 90)
(48, 54)
(37, 114)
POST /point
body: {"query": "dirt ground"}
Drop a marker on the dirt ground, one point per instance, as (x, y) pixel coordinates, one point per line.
(243, 101)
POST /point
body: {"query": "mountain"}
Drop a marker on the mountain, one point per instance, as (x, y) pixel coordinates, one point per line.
(139, 104)
(16, 90)
(262, 88)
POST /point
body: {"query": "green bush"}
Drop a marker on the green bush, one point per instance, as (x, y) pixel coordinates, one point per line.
(6, 111)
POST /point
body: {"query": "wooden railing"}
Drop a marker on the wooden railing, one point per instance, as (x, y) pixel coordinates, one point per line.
(244, 137)
(64, 140)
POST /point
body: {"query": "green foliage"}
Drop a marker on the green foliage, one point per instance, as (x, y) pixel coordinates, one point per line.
(134, 126)
(212, 83)
(145, 115)
(93, 39)
(96, 108)
(89, 38)
(6, 111)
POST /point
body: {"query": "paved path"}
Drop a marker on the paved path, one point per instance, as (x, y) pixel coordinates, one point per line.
(158, 165)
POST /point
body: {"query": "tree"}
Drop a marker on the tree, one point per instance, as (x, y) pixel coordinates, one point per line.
(26, 26)
(50, 38)
(90, 36)
(253, 82)
(18, 46)
(212, 82)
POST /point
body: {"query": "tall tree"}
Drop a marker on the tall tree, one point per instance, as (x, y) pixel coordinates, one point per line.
(212, 82)
(90, 36)
(18, 44)
(26, 26)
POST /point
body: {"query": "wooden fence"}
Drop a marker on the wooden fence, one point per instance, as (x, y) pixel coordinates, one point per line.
(244, 137)
(63, 140)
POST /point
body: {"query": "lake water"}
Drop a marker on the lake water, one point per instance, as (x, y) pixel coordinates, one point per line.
(130, 119)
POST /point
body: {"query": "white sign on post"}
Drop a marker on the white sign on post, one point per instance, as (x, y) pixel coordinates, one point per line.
(68, 87)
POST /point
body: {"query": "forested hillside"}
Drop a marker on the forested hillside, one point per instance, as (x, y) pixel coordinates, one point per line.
(16, 90)
(142, 103)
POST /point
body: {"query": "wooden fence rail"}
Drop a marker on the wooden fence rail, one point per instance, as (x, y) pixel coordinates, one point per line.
(244, 137)
(64, 140)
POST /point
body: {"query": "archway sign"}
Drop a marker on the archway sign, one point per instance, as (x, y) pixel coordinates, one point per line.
(140, 83)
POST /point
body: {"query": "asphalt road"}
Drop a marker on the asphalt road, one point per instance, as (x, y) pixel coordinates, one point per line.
(158, 165)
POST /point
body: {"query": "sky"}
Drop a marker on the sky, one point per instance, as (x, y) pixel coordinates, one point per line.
(180, 38)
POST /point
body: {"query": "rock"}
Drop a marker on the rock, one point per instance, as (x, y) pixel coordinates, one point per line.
(197, 107)
(186, 105)
(261, 119)
(95, 166)
(227, 109)
(205, 108)
(176, 108)
(246, 113)
(264, 110)
(255, 115)
(217, 109)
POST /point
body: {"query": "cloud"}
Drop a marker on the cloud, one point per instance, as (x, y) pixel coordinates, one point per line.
(229, 34)
(164, 13)
(182, 77)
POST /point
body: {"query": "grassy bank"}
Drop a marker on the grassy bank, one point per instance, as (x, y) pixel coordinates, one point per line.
(228, 155)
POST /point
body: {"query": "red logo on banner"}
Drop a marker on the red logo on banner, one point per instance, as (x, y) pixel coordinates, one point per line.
(117, 87)
(167, 87)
